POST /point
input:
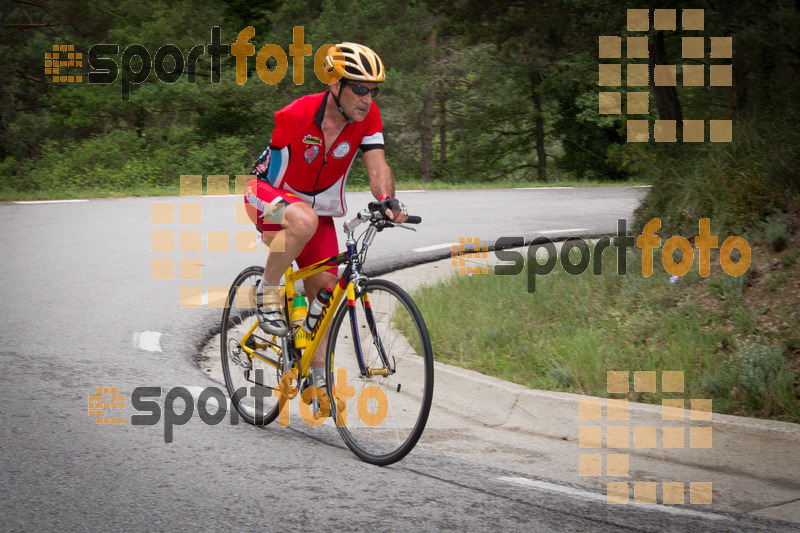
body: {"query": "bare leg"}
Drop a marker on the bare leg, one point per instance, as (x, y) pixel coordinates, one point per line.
(313, 284)
(299, 225)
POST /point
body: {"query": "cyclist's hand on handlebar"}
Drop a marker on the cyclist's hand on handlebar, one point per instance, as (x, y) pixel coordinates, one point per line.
(394, 210)
(398, 217)
(386, 213)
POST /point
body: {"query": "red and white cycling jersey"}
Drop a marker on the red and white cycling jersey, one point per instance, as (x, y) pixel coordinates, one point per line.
(298, 161)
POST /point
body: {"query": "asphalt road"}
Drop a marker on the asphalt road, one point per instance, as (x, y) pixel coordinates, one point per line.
(78, 293)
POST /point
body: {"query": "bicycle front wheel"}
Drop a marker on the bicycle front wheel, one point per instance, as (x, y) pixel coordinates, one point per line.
(250, 379)
(382, 408)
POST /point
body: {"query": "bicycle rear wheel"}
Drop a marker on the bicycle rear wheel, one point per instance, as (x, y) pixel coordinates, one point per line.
(249, 380)
(385, 417)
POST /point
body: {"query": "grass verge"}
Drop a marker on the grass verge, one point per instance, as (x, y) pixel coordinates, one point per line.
(174, 190)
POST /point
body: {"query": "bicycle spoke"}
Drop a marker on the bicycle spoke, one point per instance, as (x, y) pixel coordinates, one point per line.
(389, 410)
(242, 372)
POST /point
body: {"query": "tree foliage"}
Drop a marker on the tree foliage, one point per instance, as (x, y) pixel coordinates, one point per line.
(475, 90)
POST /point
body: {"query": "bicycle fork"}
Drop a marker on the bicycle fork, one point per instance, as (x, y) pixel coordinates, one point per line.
(387, 369)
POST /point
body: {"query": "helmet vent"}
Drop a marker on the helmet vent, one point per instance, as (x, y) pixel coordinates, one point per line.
(356, 62)
(365, 62)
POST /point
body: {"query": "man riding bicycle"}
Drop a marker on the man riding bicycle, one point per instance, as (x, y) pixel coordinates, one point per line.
(300, 179)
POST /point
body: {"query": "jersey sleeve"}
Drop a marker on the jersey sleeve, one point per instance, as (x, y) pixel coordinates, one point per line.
(262, 164)
(373, 131)
(272, 162)
(281, 135)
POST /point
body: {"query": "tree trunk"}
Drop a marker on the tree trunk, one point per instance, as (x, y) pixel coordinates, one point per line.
(427, 114)
(667, 104)
(539, 124)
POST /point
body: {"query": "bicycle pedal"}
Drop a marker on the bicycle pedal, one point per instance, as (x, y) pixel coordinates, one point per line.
(315, 406)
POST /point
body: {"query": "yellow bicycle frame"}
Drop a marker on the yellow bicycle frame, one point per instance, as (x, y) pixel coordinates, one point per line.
(339, 292)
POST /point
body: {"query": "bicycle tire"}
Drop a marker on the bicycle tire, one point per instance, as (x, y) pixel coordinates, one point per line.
(408, 391)
(237, 318)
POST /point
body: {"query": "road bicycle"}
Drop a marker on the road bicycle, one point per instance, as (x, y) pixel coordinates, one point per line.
(379, 367)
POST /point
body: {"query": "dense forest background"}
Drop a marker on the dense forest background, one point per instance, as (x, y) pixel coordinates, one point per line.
(476, 91)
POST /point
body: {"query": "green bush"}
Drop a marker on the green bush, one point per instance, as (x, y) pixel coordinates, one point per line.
(96, 161)
(790, 256)
(736, 184)
(755, 375)
(777, 234)
(123, 160)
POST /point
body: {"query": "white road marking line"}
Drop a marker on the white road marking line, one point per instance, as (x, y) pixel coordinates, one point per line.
(432, 247)
(568, 230)
(541, 188)
(642, 186)
(148, 340)
(50, 201)
(413, 190)
(562, 489)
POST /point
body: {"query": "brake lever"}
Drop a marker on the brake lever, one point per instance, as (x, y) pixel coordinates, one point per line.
(405, 226)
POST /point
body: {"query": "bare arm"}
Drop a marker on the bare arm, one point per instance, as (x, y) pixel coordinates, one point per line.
(380, 176)
(380, 180)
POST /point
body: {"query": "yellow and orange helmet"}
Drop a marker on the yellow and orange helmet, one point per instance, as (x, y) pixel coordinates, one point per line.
(355, 62)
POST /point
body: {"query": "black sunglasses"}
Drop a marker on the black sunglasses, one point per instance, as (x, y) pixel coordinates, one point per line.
(360, 90)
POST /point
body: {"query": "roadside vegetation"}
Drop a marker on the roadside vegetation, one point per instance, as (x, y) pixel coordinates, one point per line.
(466, 102)
(144, 190)
(737, 340)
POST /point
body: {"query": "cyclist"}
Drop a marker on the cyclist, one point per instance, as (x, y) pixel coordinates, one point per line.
(300, 179)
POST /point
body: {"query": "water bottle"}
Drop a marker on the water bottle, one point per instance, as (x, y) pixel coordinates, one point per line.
(299, 310)
(317, 309)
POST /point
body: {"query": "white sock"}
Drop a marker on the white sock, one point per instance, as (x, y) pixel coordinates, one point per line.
(264, 283)
(317, 371)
